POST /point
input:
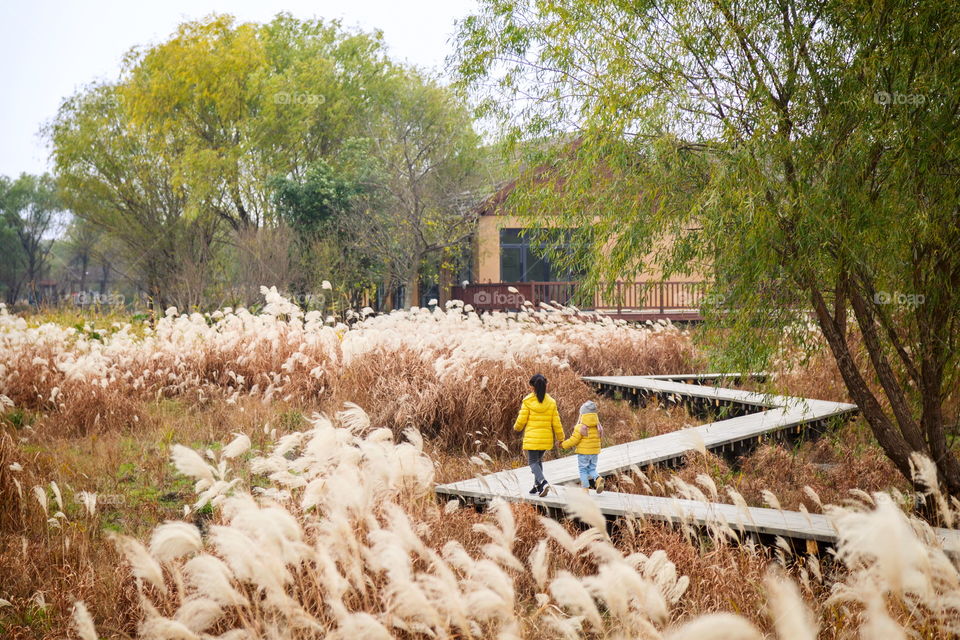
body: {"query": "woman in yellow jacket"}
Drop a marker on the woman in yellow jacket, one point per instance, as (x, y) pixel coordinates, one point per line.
(586, 438)
(540, 422)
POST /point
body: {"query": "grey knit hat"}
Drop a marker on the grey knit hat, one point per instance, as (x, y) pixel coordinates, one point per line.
(588, 407)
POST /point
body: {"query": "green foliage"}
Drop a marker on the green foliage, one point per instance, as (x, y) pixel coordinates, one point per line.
(30, 212)
(309, 204)
(217, 142)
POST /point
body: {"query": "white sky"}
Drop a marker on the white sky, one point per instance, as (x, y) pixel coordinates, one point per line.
(52, 48)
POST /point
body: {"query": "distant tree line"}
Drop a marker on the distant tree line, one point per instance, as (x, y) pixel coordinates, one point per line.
(235, 155)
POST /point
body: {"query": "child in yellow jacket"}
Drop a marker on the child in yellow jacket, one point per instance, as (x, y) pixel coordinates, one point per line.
(540, 422)
(586, 438)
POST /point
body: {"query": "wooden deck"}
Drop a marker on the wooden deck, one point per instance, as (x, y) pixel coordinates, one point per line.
(757, 416)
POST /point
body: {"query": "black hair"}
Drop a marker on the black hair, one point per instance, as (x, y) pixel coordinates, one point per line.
(539, 384)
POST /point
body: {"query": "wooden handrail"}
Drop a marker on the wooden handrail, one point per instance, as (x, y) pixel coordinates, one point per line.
(655, 295)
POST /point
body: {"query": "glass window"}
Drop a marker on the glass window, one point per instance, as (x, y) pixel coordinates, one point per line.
(511, 236)
(521, 261)
(537, 269)
(511, 264)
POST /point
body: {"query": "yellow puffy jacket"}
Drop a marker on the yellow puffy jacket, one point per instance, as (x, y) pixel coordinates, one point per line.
(585, 444)
(541, 421)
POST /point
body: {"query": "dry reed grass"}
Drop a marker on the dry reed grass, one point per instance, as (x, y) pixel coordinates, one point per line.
(431, 368)
(364, 546)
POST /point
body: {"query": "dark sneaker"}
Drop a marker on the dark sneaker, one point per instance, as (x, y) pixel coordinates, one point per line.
(535, 490)
(593, 483)
(544, 489)
(599, 484)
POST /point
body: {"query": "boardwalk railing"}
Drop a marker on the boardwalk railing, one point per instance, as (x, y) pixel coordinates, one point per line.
(632, 296)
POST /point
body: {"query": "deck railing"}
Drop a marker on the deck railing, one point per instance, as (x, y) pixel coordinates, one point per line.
(623, 296)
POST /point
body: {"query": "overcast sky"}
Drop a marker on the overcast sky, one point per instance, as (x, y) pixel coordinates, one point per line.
(52, 48)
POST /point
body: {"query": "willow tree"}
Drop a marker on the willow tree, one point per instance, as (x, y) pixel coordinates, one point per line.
(803, 153)
(109, 177)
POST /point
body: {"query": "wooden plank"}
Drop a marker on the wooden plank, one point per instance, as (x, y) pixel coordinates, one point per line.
(792, 525)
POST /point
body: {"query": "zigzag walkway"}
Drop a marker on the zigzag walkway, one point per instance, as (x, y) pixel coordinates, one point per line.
(755, 417)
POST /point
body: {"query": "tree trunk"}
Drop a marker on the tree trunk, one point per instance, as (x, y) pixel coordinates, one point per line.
(445, 287)
(84, 262)
(104, 276)
(411, 283)
(886, 433)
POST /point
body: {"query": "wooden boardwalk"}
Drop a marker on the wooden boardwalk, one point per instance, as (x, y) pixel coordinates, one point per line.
(759, 416)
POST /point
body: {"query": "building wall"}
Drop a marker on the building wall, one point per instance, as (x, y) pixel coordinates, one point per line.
(487, 267)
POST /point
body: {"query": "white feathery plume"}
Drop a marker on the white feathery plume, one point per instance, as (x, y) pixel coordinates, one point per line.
(716, 626)
(83, 623)
(790, 615)
(770, 499)
(540, 564)
(41, 495)
(707, 483)
(566, 628)
(143, 564)
(414, 437)
(245, 558)
(361, 625)
(586, 510)
(174, 539)
(505, 533)
(812, 495)
(924, 470)
(877, 621)
(239, 446)
(211, 577)
(235, 634)
(189, 463)
(89, 501)
(883, 540)
(160, 628)
(354, 418)
(451, 506)
(692, 439)
(56, 495)
(556, 531)
(570, 593)
(313, 493)
(198, 614)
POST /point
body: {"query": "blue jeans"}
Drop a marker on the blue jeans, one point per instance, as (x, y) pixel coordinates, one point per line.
(587, 463)
(535, 460)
